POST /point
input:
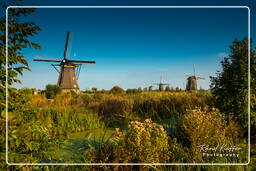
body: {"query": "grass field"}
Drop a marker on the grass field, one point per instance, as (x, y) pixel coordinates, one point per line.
(104, 127)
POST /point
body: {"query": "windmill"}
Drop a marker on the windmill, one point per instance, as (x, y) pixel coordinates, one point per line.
(161, 84)
(192, 81)
(68, 69)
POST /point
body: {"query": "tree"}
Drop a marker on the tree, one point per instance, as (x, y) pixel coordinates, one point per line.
(230, 86)
(94, 89)
(117, 90)
(19, 34)
(26, 91)
(177, 89)
(167, 88)
(52, 90)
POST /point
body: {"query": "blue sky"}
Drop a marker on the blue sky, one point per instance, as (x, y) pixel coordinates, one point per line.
(134, 47)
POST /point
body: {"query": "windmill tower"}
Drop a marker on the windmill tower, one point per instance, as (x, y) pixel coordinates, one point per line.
(68, 70)
(161, 84)
(192, 81)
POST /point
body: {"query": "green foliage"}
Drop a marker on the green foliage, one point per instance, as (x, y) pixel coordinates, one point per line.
(69, 119)
(167, 88)
(117, 90)
(208, 127)
(230, 87)
(165, 105)
(133, 91)
(115, 105)
(144, 142)
(19, 34)
(52, 90)
(94, 89)
(26, 91)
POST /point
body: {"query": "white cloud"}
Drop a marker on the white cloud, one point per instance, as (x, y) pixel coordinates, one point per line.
(222, 54)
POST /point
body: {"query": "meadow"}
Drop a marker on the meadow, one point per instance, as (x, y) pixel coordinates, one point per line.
(105, 127)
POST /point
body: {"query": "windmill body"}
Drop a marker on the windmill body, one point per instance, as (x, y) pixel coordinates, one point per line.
(69, 70)
(67, 78)
(192, 81)
(161, 85)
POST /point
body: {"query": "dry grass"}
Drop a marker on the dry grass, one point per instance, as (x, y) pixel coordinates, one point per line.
(155, 105)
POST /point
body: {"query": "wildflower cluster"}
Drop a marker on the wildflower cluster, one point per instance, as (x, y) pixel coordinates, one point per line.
(143, 142)
(205, 126)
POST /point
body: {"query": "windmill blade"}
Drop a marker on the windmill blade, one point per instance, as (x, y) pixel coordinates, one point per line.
(194, 70)
(161, 79)
(165, 84)
(47, 60)
(156, 83)
(66, 44)
(77, 61)
(200, 78)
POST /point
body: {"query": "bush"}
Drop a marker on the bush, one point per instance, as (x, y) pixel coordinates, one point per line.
(26, 91)
(205, 127)
(133, 91)
(143, 142)
(117, 90)
(52, 90)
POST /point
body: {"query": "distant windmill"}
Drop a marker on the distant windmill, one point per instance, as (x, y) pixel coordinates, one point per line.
(161, 84)
(69, 70)
(192, 81)
(150, 88)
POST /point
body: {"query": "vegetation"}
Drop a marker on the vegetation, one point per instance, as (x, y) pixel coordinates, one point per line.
(133, 91)
(149, 126)
(230, 87)
(52, 90)
(144, 142)
(117, 90)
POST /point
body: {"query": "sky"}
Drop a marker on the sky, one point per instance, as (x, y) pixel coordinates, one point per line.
(134, 47)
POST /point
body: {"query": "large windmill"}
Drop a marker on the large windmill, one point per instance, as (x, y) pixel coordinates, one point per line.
(68, 69)
(192, 81)
(161, 84)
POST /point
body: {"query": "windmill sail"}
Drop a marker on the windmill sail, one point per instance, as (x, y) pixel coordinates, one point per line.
(67, 76)
(161, 84)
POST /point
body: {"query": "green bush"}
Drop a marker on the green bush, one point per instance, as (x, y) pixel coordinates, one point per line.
(133, 91)
(117, 90)
(143, 142)
(208, 127)
(52, 90)
(26, 91)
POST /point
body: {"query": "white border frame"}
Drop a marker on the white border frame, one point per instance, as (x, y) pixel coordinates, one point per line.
(38, 164)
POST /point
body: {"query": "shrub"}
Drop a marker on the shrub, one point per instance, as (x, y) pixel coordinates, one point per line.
(52, 90)
(26, 91)
(143, 142)
(133, 91)
(117, 90)
(205, 127)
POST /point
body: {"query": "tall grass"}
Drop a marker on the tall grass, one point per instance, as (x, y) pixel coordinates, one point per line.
(69, 119)
(155, 105)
